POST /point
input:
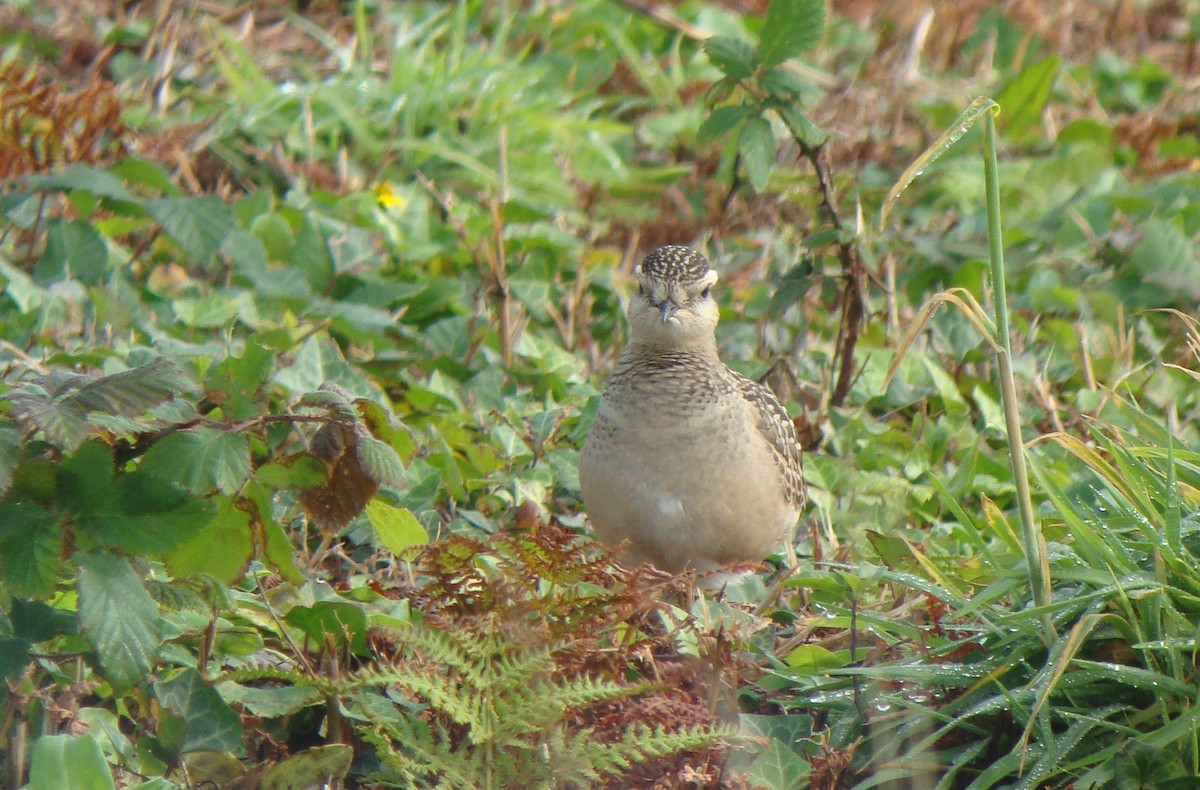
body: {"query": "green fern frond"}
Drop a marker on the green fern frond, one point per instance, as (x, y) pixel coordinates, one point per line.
(292, 676)
(641, 743)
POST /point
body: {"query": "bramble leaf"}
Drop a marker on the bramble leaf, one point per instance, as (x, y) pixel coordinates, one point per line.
(791, 27)
(118, 616)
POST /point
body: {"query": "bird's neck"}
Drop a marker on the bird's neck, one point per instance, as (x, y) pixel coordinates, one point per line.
(700, 350)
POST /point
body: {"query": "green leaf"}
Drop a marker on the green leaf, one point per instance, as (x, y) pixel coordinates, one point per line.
(800, 125)
(86, 179)
(722, 120)
(63, 762)
(380, 461)
(756, 144)
(396, 527)
(269, 702)
(813, 659)
(10, 456)
(277, 549)
(791, 27)
(59, 402)
(197, 224)
(211, 724)
(319, 766)
(74, 250)
(779, 768)
(783, 85)
(135, 512)
(1024, 98)
(231, 531)
(14, 656)
(118, 616)
(1165, 258)
(731, 55)
(200, 460)
(236, 383)
(300, 473)
(30, 544)
(345, 621)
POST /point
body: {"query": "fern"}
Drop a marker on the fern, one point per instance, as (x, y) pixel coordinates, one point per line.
(505, 694)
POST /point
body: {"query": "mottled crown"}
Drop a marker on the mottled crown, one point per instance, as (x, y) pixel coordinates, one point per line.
(674, 263)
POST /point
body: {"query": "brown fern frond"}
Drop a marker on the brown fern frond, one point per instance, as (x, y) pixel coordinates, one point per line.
(43, 127)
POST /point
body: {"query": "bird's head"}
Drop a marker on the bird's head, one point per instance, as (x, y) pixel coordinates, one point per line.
(674, 305)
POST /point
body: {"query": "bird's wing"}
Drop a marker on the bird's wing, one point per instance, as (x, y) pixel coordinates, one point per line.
(777, 428)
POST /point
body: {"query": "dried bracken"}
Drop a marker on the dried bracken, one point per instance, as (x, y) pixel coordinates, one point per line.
(43, 127)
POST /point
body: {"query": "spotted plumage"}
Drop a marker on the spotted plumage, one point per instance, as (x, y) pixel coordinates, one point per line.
(693, 464)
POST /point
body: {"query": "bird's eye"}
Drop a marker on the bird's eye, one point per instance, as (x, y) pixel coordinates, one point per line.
(706, 292)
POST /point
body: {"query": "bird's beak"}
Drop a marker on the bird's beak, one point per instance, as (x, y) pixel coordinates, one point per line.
(666, 310)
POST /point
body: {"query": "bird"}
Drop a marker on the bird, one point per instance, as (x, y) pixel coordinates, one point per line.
(688, 464)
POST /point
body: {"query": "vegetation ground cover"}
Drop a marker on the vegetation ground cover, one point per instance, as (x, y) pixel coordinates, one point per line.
(293, 290)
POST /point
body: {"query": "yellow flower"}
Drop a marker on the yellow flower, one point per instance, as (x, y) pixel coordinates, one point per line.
(387, 196)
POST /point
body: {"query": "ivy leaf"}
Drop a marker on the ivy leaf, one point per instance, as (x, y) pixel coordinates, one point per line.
(118, 616)
(211, 724)
(756, 144)
(30, 544)
(731, 55)
(64, 762)
(197, 224)
(791, 27)
(779, 768)
(318, 766)
(201, 460)
(344, 621)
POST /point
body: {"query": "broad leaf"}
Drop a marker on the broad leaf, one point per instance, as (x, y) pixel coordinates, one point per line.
(87, 179)
(396, 527)
(197, 224)
(319, 766)
(118, 616)
(135, 512)
(14, 656)
(201, 460)
(269, 702)
(230, 530)
(791, 27)
(63, 762)
(380, 461)
(346, 622)
(731, 55)
(722, 120)
(74, 250)
(1023, 99)
(779, 768)
(756, 144)
(211, 724)
(30, 544)
(236, 382)
(59, 402)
